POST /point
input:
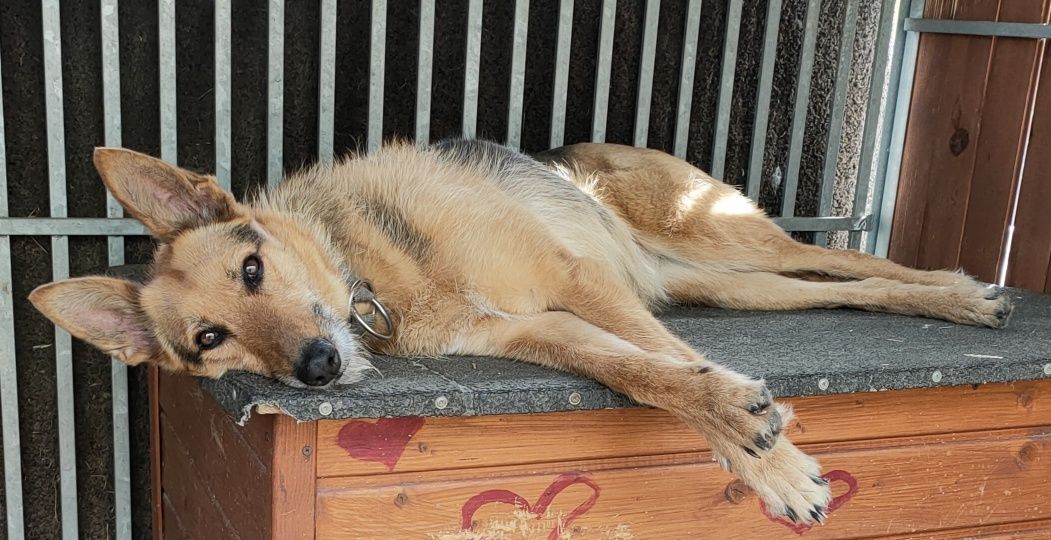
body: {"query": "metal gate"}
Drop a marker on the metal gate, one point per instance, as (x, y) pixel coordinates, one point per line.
(884, 114)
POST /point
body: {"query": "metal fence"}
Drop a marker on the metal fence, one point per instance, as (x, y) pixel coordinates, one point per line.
(881, 142)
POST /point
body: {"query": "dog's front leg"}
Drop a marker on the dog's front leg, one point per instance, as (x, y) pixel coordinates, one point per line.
(736, 414)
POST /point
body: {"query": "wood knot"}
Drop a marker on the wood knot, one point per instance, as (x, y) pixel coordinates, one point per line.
(736, 491)
(1026, 454)
(958, 141)
(401, 500)
(1025, 400)
(423, 447)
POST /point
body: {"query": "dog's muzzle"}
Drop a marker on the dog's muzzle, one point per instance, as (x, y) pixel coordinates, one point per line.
(361, 293)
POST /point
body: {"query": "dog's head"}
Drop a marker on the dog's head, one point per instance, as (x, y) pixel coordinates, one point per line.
(232, 287)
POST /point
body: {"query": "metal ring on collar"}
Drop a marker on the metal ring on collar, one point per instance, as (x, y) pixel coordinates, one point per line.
(377, 308)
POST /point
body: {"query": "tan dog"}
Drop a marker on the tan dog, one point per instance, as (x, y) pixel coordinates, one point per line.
(478, 250)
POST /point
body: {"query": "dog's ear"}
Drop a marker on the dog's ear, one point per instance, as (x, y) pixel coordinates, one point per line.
(163, 197)
(101, 311)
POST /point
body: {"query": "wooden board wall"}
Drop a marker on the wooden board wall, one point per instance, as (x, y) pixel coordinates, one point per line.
(972, 105)
(220, 480)
(959, 462)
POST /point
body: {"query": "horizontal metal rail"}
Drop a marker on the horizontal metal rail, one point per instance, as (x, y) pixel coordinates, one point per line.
(978, 28)
(130, 227)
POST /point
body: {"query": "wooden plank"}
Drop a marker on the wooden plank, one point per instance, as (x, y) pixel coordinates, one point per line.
(197, 509)
(1030, 259)
(365, 447)
(999, 145)
(153, 388)
(175, 529)
(939, 153)
(294, 473)
(183, 398)
(215, 480)
(930, 483)
(214, 473)
(1009, 531)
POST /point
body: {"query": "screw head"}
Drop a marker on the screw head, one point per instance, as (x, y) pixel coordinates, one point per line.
(325, 409)
(441, 402)
(1047, 369)
(936, 376)
(823, 384)
(574, 398)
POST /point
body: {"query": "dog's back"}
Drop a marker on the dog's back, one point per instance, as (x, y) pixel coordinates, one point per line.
(464, 219)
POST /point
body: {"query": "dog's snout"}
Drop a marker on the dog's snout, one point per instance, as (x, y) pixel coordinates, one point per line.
(319, 363)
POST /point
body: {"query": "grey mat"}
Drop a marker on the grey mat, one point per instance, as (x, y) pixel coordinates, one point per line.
(798, 353)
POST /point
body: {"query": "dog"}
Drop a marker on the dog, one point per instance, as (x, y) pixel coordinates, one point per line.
(472, 248)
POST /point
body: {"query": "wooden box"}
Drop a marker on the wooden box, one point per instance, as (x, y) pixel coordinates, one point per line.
(949, 462)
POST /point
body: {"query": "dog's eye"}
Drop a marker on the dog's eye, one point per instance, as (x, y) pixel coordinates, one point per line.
(252, 271)
(209, 339)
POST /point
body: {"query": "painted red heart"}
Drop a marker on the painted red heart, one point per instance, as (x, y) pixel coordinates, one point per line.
(539, 508)
(382, 441)
(831, 476)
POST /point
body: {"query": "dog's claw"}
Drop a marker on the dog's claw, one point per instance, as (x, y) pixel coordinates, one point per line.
(819, 481)
(750, 452)
(792, 515)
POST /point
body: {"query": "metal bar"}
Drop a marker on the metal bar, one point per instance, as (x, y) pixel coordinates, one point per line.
(649, 53)
(830, 223)
(762, 108)
(423, 77)
(799, 114)
(111, 109)
(559, 94)
(166, 73)
(56, 158)
(726, 87)
(889, 168)
(602, 70)
(8, 371)
(118, 370)
(874, 121)
(275, 89)
(839, 107)
(1004, 260)
(689, 64)
(223, 143)
(377, 57)
(326, 117)
(471, 65)
(71, 227)
(131, 227)
(978, 28)
(517, 90)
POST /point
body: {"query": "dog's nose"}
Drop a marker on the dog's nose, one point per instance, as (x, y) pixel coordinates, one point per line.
(318, 364)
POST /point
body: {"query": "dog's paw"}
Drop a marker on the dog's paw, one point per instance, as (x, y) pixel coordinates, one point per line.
(742, 411)
(984, 306)
(788, 481)
(743, 425)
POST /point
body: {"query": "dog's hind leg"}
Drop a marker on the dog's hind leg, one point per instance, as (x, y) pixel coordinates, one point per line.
(774, 292)
(796, 257)
(679, 210)
(736, 414)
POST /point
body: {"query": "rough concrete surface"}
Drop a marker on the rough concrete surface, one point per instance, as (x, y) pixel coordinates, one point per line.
(21, 57)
